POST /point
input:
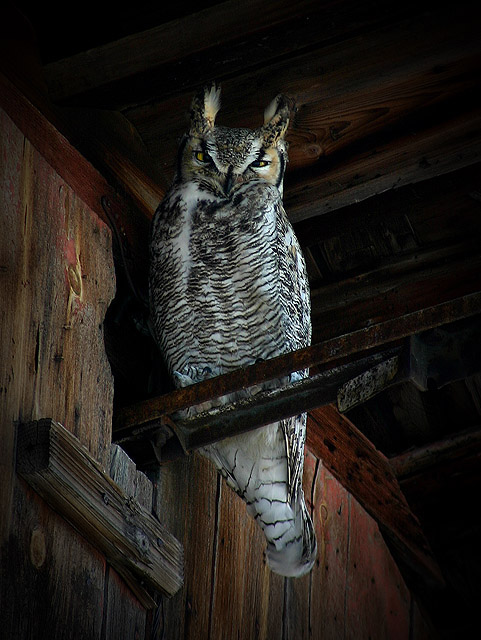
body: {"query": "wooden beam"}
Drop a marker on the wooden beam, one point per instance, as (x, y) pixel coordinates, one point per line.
(171, 56)
(328, 353)
(427, 212)
(367, 90)
(421, 278)
(277, 404)
(62, 471)
(452, 145)
(415, 461)
(367, 475)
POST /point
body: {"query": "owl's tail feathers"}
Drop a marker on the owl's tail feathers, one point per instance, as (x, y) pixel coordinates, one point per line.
(294, 555)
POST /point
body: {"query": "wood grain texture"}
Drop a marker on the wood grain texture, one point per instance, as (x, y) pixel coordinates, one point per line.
(401, 91)
(57, 281)
(52, 580)
(377, 598)
(230, 594)
(124, 616)
(186, 501)
(331, 504)
(55, 464)
(366, 473)
(123, 472)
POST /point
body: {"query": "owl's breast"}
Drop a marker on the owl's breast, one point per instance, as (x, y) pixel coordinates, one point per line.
(217, 281)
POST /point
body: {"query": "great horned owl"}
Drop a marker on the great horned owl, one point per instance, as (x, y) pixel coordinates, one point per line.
(228, 287)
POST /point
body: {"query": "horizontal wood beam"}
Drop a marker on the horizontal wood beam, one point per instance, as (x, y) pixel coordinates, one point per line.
(367, 475)
(171, 56)
(416, 461)
(328, 353)
(62, 471)
(277, 404)
(401, 286)
(369, 89)
(452, 145)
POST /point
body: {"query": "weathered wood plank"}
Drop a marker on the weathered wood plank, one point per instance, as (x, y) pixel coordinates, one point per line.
(57, 282)
(163, 62)
(331, 503)
(190, 487)
(123, 472)
(376, 597)
(51, 579)
(366, 473)
(47, 131)
(246, 593)
(55, 464)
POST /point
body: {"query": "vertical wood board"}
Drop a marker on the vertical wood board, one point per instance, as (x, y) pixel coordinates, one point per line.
(186, 503)
(57, 280)
(51, 580)
(328, 590)
(378, 601)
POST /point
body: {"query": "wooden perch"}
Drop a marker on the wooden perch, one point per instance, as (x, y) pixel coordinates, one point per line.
(330, 353)
(277, 404)
(63, 472)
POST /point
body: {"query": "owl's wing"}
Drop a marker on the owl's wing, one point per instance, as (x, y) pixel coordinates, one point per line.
(296, 315)
(294, 430)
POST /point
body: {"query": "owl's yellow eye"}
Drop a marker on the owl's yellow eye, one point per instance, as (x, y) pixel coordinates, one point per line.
(259, 163)
(202, 156)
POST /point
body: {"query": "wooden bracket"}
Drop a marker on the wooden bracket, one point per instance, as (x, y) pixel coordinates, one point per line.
(62, 471)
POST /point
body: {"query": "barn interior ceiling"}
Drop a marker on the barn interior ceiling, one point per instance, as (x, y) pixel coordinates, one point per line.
(383, 187)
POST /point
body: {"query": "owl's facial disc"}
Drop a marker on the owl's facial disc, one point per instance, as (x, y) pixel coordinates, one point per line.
(224, 159)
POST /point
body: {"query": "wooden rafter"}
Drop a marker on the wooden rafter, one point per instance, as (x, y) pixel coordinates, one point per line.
(367, 475)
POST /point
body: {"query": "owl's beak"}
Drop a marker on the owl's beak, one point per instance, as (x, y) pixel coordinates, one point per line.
(229, 180)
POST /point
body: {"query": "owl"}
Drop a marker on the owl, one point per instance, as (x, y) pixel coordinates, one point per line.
(228, 287)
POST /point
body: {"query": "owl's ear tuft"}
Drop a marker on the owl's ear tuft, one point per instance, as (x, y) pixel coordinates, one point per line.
(276, 119)
(204, 108)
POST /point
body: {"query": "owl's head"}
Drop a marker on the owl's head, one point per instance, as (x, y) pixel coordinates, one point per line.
(221, 159)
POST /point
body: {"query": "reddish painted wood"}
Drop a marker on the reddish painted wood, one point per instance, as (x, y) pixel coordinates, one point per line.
(366, 473)
(377, 598)
(328, 591)
(124, 615)
(297, 598)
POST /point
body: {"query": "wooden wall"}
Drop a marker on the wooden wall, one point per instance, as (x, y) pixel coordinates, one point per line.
(354, 591)
(56, 282)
